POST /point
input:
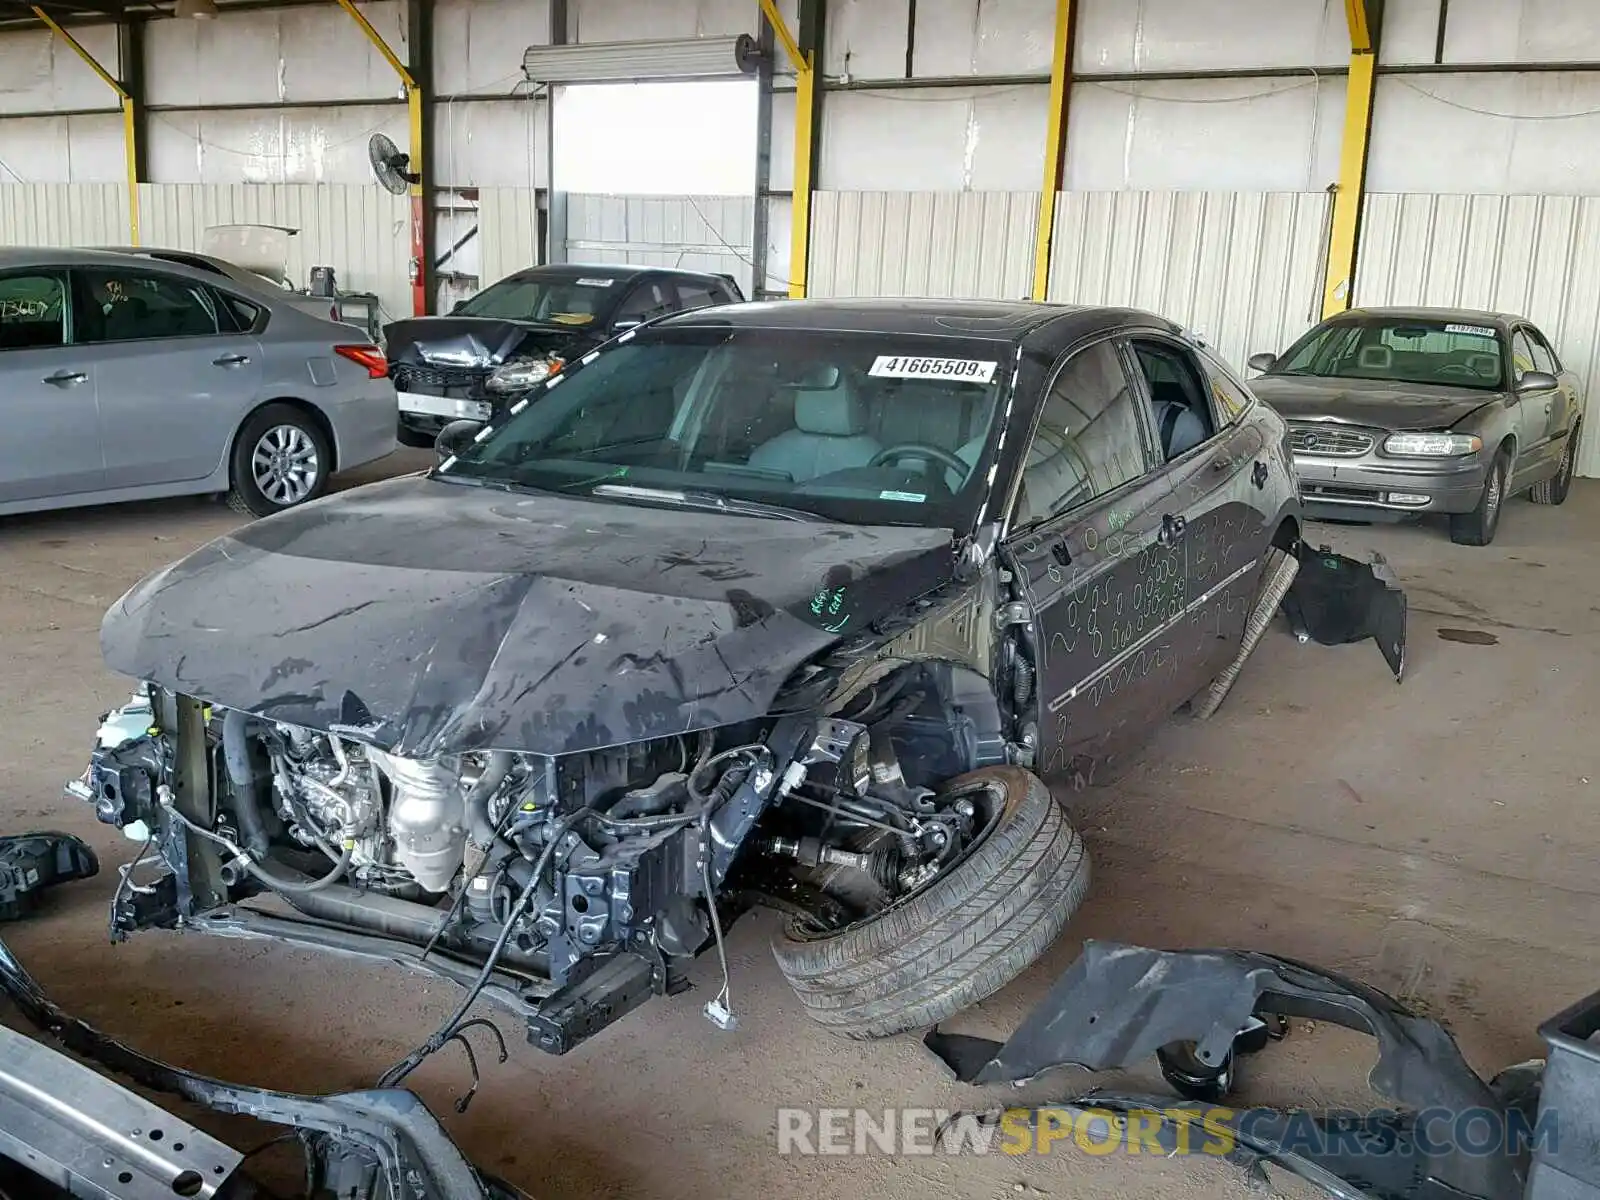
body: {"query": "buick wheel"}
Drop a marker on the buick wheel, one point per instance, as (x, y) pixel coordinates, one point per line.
(1554, 490)
(280, 459)
(1477, 528)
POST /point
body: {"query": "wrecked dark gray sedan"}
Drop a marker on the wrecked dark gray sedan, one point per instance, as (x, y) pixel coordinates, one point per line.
(793, 605)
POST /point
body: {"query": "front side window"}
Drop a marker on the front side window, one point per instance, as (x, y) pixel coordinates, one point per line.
(33, 311)
(573, 300)
(124, 306)
(1088, 442)
(861, 428)
(1544, 358)
(1452, 353)
(1522, 354)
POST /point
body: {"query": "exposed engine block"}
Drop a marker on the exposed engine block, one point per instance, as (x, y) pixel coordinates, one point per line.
(404, 819)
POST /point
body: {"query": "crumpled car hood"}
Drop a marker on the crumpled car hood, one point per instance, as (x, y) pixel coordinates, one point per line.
(475, 341)
(1372, 402)
(429, 618)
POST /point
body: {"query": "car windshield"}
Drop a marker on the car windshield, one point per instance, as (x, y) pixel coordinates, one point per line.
(1451, 353)
(569, 300)
(869, 429)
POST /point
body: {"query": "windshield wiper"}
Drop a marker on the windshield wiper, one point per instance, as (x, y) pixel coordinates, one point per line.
(709, 501)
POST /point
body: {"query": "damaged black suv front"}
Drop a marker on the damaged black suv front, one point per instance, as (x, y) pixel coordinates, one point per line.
(724, 615)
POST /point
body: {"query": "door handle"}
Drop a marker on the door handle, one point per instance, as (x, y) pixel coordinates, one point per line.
(1258, 474)
(1172, 529)
(66, 378)
(1548, 404)
(1061, 553)
(231, 360)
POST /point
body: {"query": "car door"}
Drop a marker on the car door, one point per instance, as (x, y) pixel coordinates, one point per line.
(1564, 405)
(175, 373)
(1534, 410)
(1220, 534)
(50, 439)
(1086, 528)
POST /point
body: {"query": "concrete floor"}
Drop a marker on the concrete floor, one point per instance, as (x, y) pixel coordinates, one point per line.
(1435, 838)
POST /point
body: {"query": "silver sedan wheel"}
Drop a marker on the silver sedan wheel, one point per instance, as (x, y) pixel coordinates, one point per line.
(285, 465)
(1491, 502)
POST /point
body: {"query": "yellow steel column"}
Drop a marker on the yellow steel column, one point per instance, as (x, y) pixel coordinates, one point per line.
(1055, 145)
(1344, 230)
(805, 110)
(414, 120)
(130, 143)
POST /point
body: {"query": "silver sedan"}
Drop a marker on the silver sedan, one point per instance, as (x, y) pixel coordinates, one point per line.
(129, 380)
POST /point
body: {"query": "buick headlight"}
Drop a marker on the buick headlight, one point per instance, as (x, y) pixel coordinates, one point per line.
(1432, 445)
(520, 376)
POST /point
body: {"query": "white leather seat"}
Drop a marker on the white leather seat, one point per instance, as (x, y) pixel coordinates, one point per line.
(829, 435)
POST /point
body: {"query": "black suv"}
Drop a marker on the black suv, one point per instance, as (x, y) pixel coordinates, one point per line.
(513, 334)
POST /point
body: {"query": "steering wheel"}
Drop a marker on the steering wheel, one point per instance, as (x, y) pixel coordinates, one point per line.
(923, 451)
(1458, 369)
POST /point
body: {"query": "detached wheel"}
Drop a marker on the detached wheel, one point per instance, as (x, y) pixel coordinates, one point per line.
(961, 937)
(1477, 527)
(1554, 490)
(280, 459)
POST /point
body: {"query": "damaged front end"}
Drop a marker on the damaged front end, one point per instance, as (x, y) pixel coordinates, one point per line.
(566, 888)
(67, 1130)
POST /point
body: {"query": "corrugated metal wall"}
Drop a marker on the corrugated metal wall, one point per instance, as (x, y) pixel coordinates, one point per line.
(1538, 256)
(63, 214)
(696, 233)
(1243, 269)
(362, 231)
(508, 232)
(968, 245)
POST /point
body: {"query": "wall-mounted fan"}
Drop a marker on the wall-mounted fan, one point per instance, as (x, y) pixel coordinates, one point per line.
(390, 164)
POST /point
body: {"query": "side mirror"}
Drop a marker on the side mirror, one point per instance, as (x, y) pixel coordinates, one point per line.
(455, 438)
(1537, 381)
(1262, 362)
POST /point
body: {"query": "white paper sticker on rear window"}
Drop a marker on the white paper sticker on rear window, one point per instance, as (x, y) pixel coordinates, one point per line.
(1478, 330)
(960, 370)
(595, 282)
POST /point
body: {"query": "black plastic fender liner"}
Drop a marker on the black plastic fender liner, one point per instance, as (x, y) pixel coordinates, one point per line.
(1335, 600)
(31, 862)
(1117, 1005)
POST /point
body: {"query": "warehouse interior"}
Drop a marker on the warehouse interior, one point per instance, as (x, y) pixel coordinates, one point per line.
(1242, 167)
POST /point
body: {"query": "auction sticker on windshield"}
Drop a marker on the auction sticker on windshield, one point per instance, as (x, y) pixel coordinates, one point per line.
(961, 370)
(1478, 330)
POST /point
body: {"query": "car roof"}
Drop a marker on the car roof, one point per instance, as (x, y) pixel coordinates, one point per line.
(622, 272)
(1465, 316)
(62, 256)
(994, 320)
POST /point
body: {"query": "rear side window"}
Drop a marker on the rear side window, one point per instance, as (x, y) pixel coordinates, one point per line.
(700, 295)
(1088, 442)
(33, 311)
(236, 315)
(1179, 406)
(1228, 395)
(124, 306)
(646, 302)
